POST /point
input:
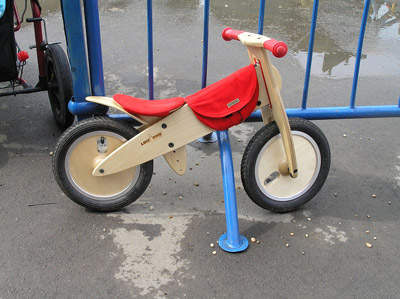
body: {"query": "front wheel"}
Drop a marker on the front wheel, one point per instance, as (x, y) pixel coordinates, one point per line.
(81, 148)
(265, 180)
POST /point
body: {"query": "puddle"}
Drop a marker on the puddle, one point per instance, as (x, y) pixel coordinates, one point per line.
(341, 64)
(379, 58)
(337, 32)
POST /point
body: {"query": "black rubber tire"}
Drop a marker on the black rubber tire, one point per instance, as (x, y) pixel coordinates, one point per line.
(277, 198)
(59, 85)
(84, 136)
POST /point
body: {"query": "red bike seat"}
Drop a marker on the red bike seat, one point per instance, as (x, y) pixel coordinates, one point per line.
(138, 106)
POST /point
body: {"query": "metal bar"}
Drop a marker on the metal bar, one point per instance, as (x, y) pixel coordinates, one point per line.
(76, 48)
(339, 112)
(93, 38)
(150, 65)
(232, 241)
(359, 52)
(74, 35)
(17, 24)
(310, 53)
(22, 91)
(209, 138)
(205, 43)
(125, 117)
(120, 116)
(38, 39)
(85, 109)
(261, 17)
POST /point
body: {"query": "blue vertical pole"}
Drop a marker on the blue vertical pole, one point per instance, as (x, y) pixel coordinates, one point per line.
(205, 43)
(150, 48)
(359, 52)
(76, 48)
(93, 38)
(209, 138)
(310, 53)
(231, 241)
(74, 35)
(261, 17)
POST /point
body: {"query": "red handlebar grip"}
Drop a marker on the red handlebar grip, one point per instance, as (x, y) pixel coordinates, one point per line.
(229, 34)
(278, 49)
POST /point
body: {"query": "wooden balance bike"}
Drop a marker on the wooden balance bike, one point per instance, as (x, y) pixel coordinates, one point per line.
(104, 164)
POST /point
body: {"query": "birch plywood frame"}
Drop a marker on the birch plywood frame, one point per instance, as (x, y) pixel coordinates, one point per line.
(253, 40)
(168, 134)
(107, 101)
(273, 83)
(177, 160)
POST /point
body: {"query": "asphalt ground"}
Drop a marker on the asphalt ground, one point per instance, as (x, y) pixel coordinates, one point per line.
(52, 248)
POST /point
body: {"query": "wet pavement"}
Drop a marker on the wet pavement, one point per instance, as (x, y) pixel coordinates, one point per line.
(52, 248)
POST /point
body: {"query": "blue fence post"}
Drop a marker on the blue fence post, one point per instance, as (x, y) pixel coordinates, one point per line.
(359, 51)
(209, 138)
(150, 64)
(310, 53)
(205, 43)
(94, 47)
(231, 241)
(76, 49)
(74, 34)
(261, 17)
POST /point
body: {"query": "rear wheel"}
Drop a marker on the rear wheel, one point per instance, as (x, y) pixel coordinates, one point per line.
(266, 179)
(59, 85)
(78, 152)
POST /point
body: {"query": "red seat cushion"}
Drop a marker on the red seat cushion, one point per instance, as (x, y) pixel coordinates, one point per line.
(227, 102)
(147, 107)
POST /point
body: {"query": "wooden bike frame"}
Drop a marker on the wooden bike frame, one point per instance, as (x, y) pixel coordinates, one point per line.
(168, 135)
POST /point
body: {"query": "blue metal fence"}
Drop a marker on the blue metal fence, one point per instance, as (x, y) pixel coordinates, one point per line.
(83, 86)
(351, 111)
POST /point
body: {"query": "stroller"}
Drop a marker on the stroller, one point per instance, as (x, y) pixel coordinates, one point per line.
(53, 66)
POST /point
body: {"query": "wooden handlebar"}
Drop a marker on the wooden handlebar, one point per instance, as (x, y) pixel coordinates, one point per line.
(277, 48)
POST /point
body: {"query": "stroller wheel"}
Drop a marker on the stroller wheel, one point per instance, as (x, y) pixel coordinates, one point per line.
(59, 85)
